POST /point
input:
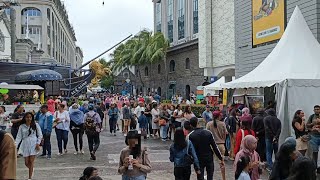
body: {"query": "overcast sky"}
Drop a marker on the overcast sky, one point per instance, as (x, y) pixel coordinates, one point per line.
(99, 27)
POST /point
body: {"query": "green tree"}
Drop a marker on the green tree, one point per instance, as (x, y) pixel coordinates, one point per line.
(144, 48)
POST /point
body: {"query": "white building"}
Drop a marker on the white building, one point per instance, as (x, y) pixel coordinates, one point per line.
(217, 38)
(5, 40)
(46, 24)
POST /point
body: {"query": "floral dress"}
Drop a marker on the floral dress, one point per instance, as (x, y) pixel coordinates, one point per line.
(29, 141)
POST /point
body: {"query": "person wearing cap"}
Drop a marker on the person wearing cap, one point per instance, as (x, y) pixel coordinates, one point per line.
(93, 139)
(136, 156)
(207, 114)
(219, 130)
(45, 123)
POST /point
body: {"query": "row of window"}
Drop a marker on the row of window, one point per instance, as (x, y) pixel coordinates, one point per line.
(172, 67)
(31, 30)
(181, 18)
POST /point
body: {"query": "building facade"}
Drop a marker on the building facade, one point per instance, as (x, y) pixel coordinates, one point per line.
(178, 21)
(46, 24)
(249, 55)
(5, 37)
(217, 39)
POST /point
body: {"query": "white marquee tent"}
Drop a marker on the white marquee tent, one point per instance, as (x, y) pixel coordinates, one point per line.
(213, 87)
(294, 68)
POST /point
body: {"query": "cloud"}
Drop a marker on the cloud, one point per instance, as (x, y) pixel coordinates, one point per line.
(99, 27)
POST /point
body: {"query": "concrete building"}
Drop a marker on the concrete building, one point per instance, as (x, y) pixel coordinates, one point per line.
(5, 39)
(249, 55)
(46, 24)
(178, 21)
(217, 39)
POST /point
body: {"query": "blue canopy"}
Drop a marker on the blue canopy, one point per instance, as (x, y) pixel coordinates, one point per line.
(38, 75)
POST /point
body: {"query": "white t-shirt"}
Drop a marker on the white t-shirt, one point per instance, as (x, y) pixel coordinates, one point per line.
(138, 110)
(179, 113)
(244, 176)
(155, 113)
(64, 118)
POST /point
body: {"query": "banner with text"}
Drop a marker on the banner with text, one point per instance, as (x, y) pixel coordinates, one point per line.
(268, 20)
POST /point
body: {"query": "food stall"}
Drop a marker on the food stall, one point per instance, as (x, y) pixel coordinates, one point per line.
(12, 95)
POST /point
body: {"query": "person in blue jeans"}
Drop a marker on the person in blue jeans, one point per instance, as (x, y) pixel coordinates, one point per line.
(313, 125)
(164, 114)
(62, 121)
(272, 127)
(45, 122)
(178, 150)
(113, 117)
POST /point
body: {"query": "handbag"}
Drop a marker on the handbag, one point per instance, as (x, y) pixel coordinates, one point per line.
(55, 123)
(187, 157)
(162, 122)
(156, 120)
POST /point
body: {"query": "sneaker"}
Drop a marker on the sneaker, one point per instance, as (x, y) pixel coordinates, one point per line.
(65, 151)
(231, 159)
(59, 154)
(82, 151)
(49, 157)
(75, 153)
(148, 136)
(163, 140)
(93, 157)
(114, 134)
(43, 155)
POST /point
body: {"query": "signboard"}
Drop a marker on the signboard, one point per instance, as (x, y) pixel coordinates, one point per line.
(268, 20)
(225, 97)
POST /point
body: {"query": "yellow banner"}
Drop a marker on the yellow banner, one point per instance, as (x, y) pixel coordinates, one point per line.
(225, 97)
(268, 20)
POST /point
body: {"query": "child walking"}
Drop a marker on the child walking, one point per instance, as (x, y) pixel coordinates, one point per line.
(242, 172)
(143, 124)
(31, 135)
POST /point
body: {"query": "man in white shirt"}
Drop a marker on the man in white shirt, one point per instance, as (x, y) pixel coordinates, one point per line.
(139, 108)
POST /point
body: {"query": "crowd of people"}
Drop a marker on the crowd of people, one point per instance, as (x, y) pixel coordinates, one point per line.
(234, 135)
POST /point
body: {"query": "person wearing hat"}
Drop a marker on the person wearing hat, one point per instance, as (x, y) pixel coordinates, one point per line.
(134, 160)
(219, 130)
(207, 114)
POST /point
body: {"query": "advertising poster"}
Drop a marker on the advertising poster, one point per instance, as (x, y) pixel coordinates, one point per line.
(268, 20)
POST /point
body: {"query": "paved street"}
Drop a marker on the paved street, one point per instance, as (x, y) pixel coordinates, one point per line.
(70, 166)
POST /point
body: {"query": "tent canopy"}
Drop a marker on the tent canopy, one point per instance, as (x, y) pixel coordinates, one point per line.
(38, 75)
(210, 89)
(296, 56)
(20, 86)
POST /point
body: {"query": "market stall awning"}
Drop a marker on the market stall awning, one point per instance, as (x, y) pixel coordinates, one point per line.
(296, 56)
(20, 86)
(38, 75)
(210, 89)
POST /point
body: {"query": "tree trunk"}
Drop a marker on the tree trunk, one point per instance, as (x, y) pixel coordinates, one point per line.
(140, 78)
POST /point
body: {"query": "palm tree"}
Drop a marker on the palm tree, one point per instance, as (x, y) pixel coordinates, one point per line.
(144, 48)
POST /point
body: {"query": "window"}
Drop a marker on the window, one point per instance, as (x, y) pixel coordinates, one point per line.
(31, 12)
(172, 66)
(158, 17)
(170, 20)
(195, 17)
(159, 68)
(32, 30)
(146, 71)
(187, 63)
(181, 19)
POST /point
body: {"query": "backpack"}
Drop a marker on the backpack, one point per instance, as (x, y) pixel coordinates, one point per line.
(90, 125)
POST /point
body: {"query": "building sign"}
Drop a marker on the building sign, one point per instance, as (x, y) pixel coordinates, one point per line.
(79, 88)
(268, 20)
